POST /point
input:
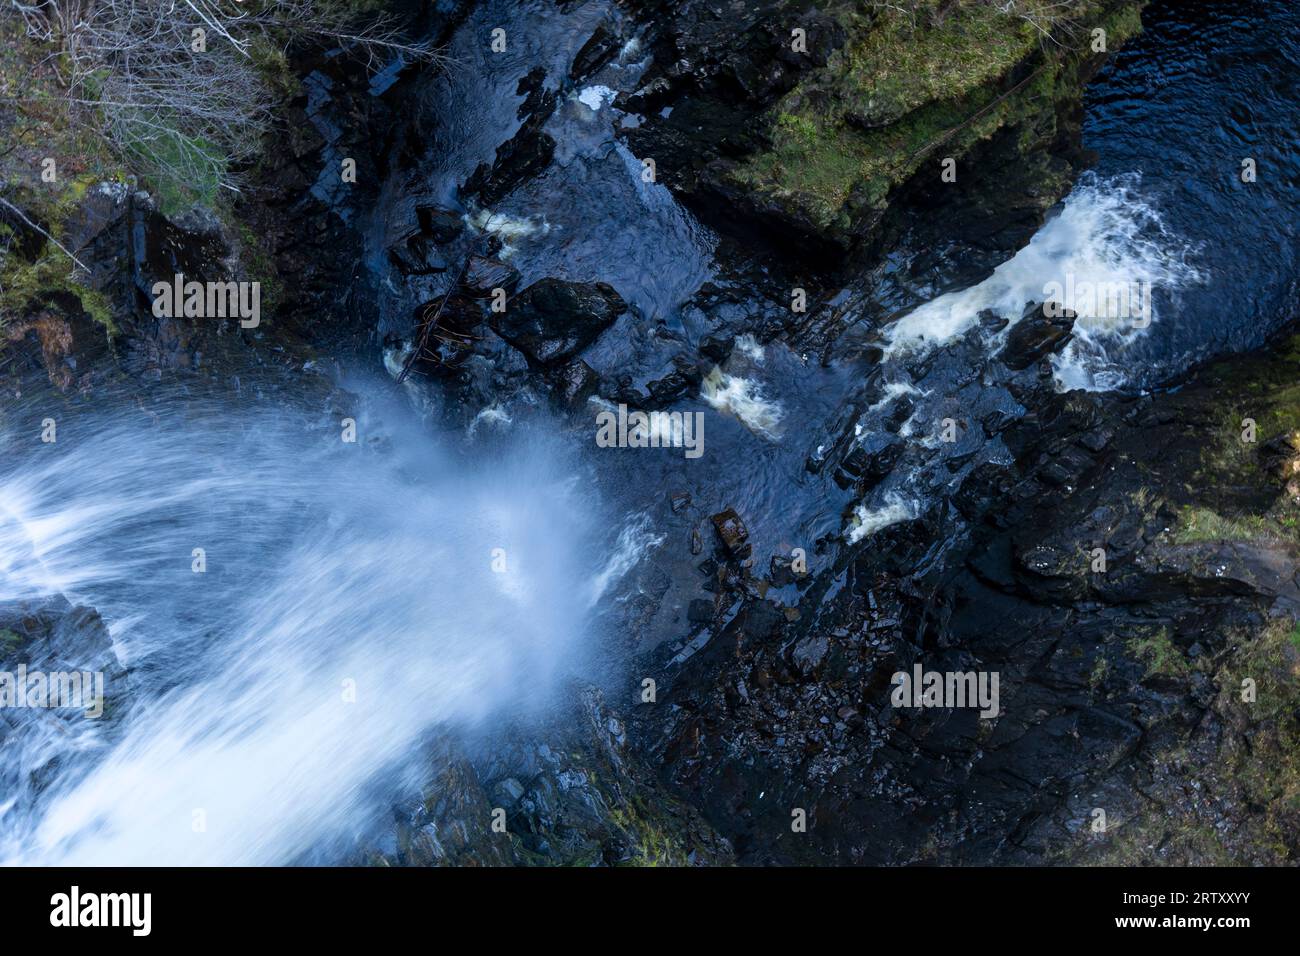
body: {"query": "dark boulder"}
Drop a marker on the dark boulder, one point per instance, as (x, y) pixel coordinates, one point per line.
(575, 383)
(732, 531)
(684, 378)
(717, 348)
(416, 255)
(870, 459)
(440, 224)
(49, 637)
(552, 321)
(483, 275)
(991, 322)
(1037, 334)
(595, 53)
(53, 629)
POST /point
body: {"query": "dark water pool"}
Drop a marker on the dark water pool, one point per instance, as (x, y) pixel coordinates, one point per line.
(1207, 85)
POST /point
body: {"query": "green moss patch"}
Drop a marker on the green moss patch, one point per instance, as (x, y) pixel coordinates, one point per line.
(1202, 524)
(911, 58)
(1159, 653)
(1235, 800)
(917, 77)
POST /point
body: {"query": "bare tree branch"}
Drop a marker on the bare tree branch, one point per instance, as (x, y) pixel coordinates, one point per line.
(58, 245)
(175, 85)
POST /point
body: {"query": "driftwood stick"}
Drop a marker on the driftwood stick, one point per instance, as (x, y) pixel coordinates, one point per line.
(430, 322)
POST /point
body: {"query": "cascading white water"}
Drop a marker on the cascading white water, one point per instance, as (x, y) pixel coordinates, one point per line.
(354, 601)
(1105, 236)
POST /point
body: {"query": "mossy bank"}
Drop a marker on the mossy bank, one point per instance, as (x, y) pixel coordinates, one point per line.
(818, 121)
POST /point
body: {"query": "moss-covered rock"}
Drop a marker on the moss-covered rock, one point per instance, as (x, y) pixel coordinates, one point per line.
(1216, 690)
(571, 793)
(876, 103)
(1231, 794)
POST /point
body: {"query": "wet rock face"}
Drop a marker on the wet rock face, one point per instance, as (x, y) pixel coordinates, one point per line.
(602, 47)
(569, 794)
(1043, 329)
(417, 255)
(484, 274)
(53, 631)
(552, 320)
(1120, 643)
(713, 77)
(52, 637)
(870, 460)
(284, 234)
(525, 154)
(78, 332)
(440, 224)
(61, 341)
(826, 143)
(743, 57)
(575, 383)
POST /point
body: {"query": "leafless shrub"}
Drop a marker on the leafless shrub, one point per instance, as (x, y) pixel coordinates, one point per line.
(1045, 16)
(180, 87)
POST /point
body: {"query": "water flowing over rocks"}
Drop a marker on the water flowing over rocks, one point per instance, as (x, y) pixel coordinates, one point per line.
(57, 640)
(572, 795)
(1037, 334)
(867, 504)
(552, 321)
(1102, 674)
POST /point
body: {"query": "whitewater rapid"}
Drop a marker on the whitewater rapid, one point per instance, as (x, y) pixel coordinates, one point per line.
(1106, 235)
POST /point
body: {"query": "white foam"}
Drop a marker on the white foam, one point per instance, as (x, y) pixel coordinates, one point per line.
(509, 229)
(493, 414)
(893, 391)
(749, 347)
(1106, 235)
(744, 399)
(866, 521)
(635, 541)
(597, 97)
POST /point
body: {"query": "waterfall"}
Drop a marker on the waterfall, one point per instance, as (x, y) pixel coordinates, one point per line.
(353, 598)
